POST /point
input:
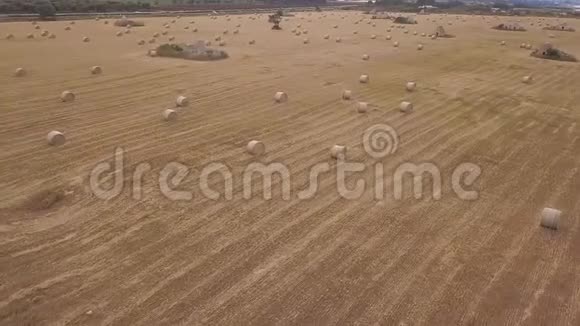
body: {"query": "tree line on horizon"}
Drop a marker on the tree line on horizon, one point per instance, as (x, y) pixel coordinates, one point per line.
(49, 8)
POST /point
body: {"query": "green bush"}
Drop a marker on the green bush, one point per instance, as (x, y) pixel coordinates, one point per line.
(553, 53)
(44, 8)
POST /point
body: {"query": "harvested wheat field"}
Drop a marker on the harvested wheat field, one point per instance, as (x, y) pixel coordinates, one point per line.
(70, 256)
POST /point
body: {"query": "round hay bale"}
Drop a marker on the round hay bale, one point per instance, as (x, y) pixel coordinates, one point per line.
(355, 32)
(152, 53)
(419, 47)
(169, 115)
(217, 38)
(396, 44)
(293, 31)
(406, 107)
(550, 218)
(338, 152)
(119, 34)
(236, 31)
(72, 23)
(410, 86)
(155, 35)
(222, 43)
(326, 36)
(9, 37)
(527, 79)
(225, 32)
(405, 32)
(434, 36)
(171, 38)
(44, 33)
(30, 36)
(365, 57)
(127, 31)
(141, 42)
(338, 40)
(364, 79)
(388, 37)
(551, 36)
(67, 28)
(362, 107)
(186, 27)
(346, 94)
(86, 39)
(523, 46)
(36, 27)
(19, 72)
(96, 70)
(55, 138)
(182, 101)
(151, 41)
(106, 22)
(502, 43)
(194, 30)
(251, 42)
(256, 147)
(207, 43)
(373, 37)
(280, 97)
(164, 33)
(305, 32)
(52, 36)
(415, 33)
(67, 96)
(306, 41)
(298, 33)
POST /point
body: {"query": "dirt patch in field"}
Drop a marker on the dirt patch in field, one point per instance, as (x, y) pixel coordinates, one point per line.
(44, 199)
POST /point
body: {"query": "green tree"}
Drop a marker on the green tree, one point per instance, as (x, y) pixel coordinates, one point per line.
(421, 3)
(45, 9)
(501, 5)
(389, 2)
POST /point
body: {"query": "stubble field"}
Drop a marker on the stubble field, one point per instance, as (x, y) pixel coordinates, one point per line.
(325, 260)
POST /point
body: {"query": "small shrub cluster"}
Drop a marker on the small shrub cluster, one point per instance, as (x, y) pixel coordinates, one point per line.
(197, 51)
